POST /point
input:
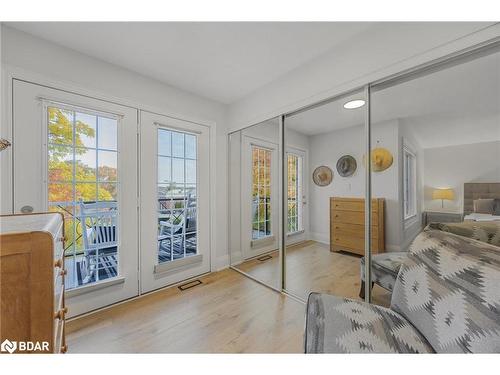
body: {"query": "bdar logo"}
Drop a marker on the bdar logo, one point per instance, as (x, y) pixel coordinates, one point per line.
(8, 346)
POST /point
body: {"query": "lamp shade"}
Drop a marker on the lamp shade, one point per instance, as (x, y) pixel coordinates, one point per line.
(447, 194)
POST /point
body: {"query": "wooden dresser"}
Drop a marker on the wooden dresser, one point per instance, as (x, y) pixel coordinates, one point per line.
(32, 282)
(347, 225)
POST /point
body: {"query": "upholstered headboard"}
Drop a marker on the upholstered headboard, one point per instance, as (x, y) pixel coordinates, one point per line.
(479, 190)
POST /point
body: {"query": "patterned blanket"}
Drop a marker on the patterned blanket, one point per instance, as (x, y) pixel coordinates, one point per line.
(488, 232)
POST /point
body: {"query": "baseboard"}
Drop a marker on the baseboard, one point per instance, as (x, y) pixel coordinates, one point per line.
(320, 237)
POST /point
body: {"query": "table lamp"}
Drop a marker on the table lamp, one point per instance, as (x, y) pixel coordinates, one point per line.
(443, 194)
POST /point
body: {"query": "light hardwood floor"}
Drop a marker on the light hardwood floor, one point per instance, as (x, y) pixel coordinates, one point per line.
(311, 266)
(227, 313)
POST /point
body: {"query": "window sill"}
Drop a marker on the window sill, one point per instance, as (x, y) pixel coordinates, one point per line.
(262, 241)
(178, 264)
(92, 288)
(295, 233)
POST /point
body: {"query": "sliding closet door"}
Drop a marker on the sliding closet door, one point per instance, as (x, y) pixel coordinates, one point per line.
(435, 149)
(325, 190)
(255, 202)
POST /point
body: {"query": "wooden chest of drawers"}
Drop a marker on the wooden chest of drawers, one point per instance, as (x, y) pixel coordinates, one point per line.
(32, 282)
(347, 225)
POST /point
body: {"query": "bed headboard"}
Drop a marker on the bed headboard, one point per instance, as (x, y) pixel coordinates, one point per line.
(479, 190)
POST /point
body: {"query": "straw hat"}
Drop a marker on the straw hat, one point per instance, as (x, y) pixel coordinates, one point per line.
(346, 166)
(322, 176)
(381, 159)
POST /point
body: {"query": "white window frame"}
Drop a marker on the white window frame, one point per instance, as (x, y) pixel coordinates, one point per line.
(409, 183)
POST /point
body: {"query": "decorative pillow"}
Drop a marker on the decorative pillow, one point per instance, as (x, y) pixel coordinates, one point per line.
(484, 206)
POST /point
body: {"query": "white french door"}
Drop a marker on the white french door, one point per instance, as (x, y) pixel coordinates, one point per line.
(259, 197)
(78, 155)
(174, 200)
(297, 213)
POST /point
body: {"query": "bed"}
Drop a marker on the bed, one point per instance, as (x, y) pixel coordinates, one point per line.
(480, 190)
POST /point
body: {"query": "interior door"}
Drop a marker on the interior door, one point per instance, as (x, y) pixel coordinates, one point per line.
(68, 157)
(174, 200)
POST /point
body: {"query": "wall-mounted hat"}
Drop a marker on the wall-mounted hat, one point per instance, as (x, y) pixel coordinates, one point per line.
(322, 176)
(346, 166)
(381, 159)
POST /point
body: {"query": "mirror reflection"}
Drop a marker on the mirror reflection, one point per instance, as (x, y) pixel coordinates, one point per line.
(326, 189)
(254, 176)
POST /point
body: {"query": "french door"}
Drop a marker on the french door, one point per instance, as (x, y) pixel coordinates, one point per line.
(174, 200)
(259, 197)
(78, 155)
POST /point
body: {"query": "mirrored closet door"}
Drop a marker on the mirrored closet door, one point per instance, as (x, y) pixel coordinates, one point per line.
(435, 138)
(254, 190)
(325, 175)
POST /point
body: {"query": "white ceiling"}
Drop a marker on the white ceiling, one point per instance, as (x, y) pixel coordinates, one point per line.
(221, 61)
(458, 105)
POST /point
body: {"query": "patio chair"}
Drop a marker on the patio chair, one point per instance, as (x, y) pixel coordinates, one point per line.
(99, 221)
(170, 231)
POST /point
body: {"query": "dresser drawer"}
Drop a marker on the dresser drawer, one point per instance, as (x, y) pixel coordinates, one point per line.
(354, 205)
(352, 230)
(352, 217)
(353, 244)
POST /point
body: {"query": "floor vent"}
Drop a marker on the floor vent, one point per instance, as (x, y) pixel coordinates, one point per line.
(190, 285)
(264, 258)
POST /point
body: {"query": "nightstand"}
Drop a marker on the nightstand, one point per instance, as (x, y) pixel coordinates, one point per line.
(441, 217)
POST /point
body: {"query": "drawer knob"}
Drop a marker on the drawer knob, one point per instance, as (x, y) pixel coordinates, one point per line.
(63, 272)
(61, 313)
(58, 263)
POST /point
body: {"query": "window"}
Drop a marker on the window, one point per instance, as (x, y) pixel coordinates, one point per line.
(294, 193)
(261, 192)
(82, 185)
(177, 199)
(409, 183)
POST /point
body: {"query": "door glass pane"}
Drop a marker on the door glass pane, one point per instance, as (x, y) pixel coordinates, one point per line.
(78, 186)
(294, 166)
(261, 179)
(177, 199)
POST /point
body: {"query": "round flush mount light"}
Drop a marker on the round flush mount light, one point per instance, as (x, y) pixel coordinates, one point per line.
(353, 104)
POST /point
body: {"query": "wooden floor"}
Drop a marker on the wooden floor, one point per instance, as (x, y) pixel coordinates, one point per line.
(227, 313)
(311, 267)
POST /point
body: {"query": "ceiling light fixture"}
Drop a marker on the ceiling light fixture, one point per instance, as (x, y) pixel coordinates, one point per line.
(353, 104)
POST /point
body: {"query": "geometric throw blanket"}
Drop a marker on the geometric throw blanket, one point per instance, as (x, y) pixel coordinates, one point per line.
(488, 232)
(449, 290)
(342, 325)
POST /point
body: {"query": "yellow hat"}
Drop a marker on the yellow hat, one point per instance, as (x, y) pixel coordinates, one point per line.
(381, 159)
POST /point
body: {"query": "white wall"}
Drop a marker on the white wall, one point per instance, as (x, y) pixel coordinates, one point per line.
(380, 52)
(452, 166)
(51, 62)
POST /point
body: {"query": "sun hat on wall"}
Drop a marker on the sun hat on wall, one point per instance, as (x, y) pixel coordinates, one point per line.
(346, 166)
